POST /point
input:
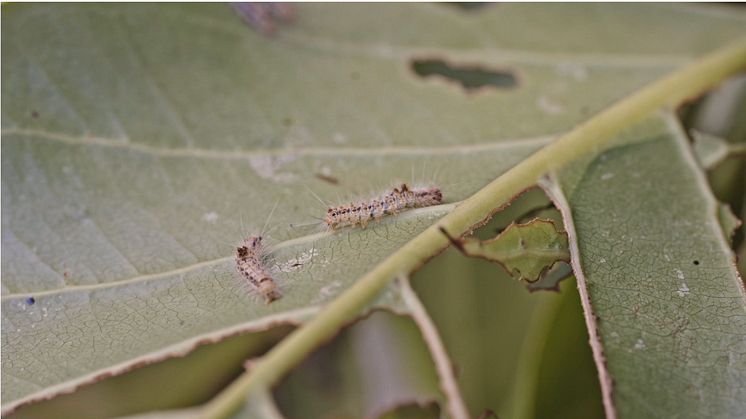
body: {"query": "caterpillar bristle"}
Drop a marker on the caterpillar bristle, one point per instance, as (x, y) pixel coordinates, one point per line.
(250, 265)
(250, 255)
(388, 204)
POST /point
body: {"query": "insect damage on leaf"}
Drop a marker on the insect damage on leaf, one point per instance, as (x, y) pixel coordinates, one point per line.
(471, 78)
(550, 278)
(524, 250)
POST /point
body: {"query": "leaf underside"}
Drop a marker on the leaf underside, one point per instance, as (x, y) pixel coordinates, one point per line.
(660, 275)
(136, 138)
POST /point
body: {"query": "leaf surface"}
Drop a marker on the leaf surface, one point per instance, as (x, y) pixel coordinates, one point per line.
(136, 137)
(657, 275)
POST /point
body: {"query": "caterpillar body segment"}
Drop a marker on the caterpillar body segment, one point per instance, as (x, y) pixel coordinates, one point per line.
(249, 263)
(388, 204)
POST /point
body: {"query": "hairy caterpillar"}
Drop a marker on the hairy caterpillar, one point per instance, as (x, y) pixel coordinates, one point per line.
(250, 258)
(250, 264)
(375, 209)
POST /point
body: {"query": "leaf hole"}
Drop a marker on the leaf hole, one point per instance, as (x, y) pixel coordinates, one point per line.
(696, 262)
(468, 6)
(470, 77)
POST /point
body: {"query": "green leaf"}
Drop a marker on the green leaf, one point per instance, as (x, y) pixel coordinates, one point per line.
(712, 150)
(709, 149)
(524, 250)
(729, 223)
(664, 304)
(135, 137)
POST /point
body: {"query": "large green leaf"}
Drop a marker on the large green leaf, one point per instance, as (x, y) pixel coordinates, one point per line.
(664, 302)
(135, 137)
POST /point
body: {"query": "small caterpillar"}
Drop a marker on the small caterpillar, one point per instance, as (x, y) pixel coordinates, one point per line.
(249, 263)
(392, 203)
(250, 255)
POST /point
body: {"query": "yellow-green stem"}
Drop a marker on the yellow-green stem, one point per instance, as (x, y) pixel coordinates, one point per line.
(589, 137)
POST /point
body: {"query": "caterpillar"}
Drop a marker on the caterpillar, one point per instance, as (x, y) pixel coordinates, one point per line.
(388, 204)
(250, 258)
(249, 263)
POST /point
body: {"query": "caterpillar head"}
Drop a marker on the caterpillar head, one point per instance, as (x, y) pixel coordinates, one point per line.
(252, 243)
